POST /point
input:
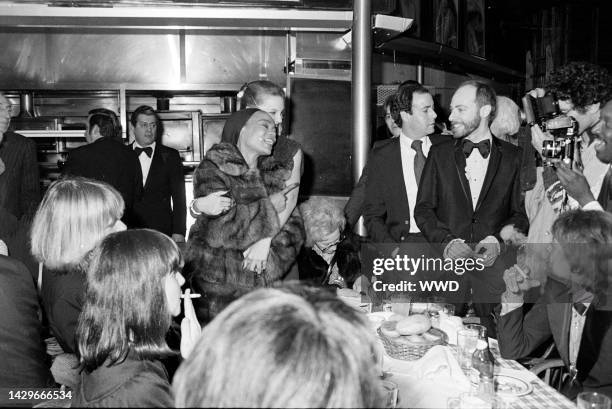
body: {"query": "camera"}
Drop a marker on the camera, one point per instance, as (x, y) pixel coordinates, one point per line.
(565, 146)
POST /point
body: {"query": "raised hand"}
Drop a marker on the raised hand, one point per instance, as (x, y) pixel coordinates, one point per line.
(190, 327)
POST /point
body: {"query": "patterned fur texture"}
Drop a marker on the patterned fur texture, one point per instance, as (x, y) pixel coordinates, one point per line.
(216, 244)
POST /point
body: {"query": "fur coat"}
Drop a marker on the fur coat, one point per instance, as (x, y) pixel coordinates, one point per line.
(214, 255)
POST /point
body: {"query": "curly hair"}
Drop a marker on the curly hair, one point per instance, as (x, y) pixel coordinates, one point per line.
(581, 82)
(321, 217)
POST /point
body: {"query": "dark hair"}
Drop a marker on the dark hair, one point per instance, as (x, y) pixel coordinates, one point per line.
(235, 123)
(107, 122)
(147, 110)
(251, 93)
(143, 110)
(308, 348)
(586, 240)
(485, 95)
(125, 309)
(581, 82)
(402, 100)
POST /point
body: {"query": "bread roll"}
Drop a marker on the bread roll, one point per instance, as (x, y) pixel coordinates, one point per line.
(413, 325)
(388, 329)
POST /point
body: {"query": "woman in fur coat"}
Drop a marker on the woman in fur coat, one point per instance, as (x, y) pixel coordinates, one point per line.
(244, 246)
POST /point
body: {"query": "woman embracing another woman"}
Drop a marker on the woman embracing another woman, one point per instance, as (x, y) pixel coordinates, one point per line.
(246, 245)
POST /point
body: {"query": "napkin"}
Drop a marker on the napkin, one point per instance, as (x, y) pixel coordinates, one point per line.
(429, 381)
(450, 325)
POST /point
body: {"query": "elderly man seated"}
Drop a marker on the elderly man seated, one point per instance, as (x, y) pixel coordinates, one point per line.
(575, 307)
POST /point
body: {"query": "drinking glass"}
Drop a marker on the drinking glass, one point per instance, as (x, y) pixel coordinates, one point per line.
(482, 330)
(390, 394)
(593, 400)
(466, 345)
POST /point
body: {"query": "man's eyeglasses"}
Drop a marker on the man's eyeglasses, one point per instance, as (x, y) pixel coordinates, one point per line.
(6, 107)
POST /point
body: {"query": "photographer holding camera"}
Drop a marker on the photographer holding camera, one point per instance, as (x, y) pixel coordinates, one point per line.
(569, 110)
(576, 183)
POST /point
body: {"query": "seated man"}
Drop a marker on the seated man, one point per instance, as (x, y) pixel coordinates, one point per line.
(574, 309)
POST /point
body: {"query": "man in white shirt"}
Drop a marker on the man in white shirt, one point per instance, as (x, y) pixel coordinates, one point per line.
(470, 190)
(394, 170)
(163, 204)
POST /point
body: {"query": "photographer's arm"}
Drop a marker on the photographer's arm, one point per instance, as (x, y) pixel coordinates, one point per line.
(577, 187)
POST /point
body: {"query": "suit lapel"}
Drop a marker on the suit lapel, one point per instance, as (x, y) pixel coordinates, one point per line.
(560, 316)
(494, 162)
(155, 169)
(396, 163)
(460, 166)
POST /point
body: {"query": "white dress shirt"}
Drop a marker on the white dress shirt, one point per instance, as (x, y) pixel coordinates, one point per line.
(476, 169)
(408, 154)
(145, 161)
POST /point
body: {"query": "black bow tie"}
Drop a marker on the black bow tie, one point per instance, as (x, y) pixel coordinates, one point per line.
(148, 150)
(483, 146)
(580, 308)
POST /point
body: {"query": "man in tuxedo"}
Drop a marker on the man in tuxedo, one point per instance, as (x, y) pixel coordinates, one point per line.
(107, 159)
(575, 308)
(162, 206)
(576, 183)
(394, 170)
(470, 190)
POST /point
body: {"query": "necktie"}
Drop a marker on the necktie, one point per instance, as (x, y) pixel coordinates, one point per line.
(605, 194)
(484, 147)
(419, 159)
(148, 150)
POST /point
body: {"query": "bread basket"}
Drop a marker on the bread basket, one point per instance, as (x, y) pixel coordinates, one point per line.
(402, 348)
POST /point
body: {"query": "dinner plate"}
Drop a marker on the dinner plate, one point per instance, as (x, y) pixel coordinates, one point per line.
(511, 385)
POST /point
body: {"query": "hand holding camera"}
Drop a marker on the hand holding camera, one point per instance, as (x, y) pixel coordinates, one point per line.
(554, 134)
(575, 184)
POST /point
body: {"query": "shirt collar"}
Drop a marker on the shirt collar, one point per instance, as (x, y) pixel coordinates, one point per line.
(137, 145)
(483, 138)
(407, 141)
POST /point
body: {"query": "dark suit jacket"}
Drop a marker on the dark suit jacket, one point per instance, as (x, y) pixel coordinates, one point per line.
(19, 184)
(109, 161)
(605, 194)
(354, 207)
(519, 335)
(22, 350)
(444, 208)
(385, 209)
(165, 181)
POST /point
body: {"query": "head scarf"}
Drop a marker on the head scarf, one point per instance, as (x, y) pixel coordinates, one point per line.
(235, 123)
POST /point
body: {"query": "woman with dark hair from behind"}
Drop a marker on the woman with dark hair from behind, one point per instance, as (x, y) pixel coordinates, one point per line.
(133, 291)
(285, 347)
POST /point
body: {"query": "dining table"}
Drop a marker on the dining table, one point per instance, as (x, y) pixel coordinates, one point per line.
(422, 384)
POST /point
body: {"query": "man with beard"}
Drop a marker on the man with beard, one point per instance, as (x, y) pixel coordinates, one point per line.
(470, 190)
(576, 183)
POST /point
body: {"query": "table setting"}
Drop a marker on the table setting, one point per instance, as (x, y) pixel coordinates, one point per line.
(431, 366)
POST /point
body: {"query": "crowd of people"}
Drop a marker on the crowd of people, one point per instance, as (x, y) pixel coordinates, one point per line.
(101, 270)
